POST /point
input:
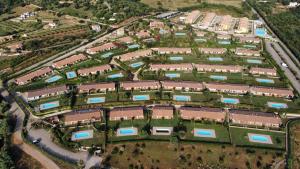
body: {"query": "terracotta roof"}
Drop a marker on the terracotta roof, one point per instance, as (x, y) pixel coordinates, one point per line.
(126, 113)
(225, 22)
(40, 72)
(182, 84)
(47, 91)
(223, 36)
(94, 70)
(182, 66)
(228, 88)
(266, 71)
(143, 34)
(96, 86)
(208, 19)
(198, 113)
(104, 47)
(192, 17)
(172, 50)
(135, 55)
(243, 24)
(248, 52)
(156, 24)
(82, 115)
(218, 68)
(249, 39)
(146, 84)
(126, 39)
(213, 50)
(159, 112)
(280, 92)
(70, 60)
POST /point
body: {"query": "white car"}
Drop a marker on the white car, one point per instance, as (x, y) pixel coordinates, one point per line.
(284, 65)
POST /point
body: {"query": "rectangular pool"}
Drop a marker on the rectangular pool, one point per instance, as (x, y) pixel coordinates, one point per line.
(249, 46)
(53, 79)
(260, 138)
(140, 97)
(224, 42)
(82, 135)
(230, 100)
(134, 46)
(218, 77)
(254, 61)
(176, 58)
(93, 100)
(172, 75)
(260, 32)
(129, 131)
(71, 75)
(200, 40)
(106, 55)
(210, 133)
(215, 59)
(137, 64)
(180, 34)
(182, 98)
(49, 105)
(113, 76)
(277, 105)
(264, 80)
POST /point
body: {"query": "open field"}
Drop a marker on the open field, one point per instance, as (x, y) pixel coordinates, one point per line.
(24, 161)
(201, 155)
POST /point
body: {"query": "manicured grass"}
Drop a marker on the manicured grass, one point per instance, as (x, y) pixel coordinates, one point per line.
(239, 136)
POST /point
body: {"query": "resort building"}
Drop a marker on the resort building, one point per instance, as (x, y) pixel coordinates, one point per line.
(94, 70)
(69, 61)
(225, 23)
(227, 88)
(224, 37)
(96, 87)
(270, 91)
(157, 25)
(192, 17)
(102, 48)
(140, 85)
(143, 34)
(126, 113)
(246, 52)
(207, 20)
(173, 50)
(245, 117)
(182, 85)
(213, 50)
(135, 55)
(249, 39)
(125, 40)
(162, 112)
(200, 33)
(83, 116)
(263, 71)
(15, 47)
(171, 67)
(32, 75)
(202, 113)
(218, 68)
(243, 26)
(45, 92)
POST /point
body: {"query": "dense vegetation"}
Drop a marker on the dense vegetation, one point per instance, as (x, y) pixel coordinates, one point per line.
(285, 24)
(7, 5)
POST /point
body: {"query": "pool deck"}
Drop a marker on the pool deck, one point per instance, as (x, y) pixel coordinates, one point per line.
(91, 135)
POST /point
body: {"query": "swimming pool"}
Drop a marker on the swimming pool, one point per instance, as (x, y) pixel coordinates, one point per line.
(81, 135)
(255, 61)
(176, 58)
(106, 55)
(224, 42)
(277, 105)
(71, 75)
(230, 100)
(215, 59)
(93, 100)
(134, 46)
(137, 64)
(113, 76)
(49, 105)
(260, 32)
(140, 97)
(130, 131)
(182, 98)
(204, 133)
(217, 77)
(249, 46)
(200, 40)
(260, 138)
(172, 75)
(162, 31)
(180, 34)
(264, 80)
(53, 79)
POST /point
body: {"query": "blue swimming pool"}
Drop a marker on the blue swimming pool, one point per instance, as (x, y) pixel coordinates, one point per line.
(162, 31)
(264, 80)
(137, 64)
(126, 131)
(230, 100)
(200, 40)
(215, 59)
(134, 46)
(106, 55)
(277, 105)
(71, 75)
(93, 100)
(81, 135)
(218, 77)
(172, 75)
(53, 79)
(113, 76)
(259, 138)
(176, 58)
(182, 98)
(180, 34)
(249, 46)
(140, 97)
(49, 105)
(204, 133)
(130, 131)
(224, 42)
(261, 32)
(254, 61)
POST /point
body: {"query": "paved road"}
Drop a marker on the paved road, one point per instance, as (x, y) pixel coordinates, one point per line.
(17, 136)
(287, 71)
